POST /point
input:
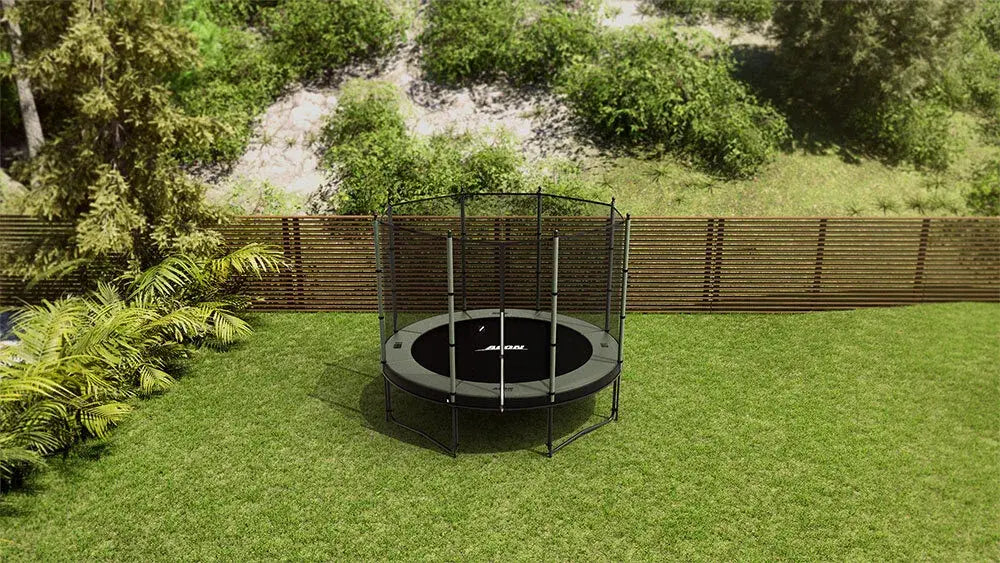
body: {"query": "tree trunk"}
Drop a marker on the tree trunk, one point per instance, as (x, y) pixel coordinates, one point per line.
(29, 113)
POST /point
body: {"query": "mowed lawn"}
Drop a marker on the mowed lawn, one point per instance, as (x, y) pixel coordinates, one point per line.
(861, 434)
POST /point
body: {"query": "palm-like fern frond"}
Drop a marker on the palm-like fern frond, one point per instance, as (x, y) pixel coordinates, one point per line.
(80, 358)
(253, 259)
(166, 278)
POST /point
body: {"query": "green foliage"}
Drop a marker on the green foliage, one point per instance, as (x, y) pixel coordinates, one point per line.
(988, 22)
(78, 361)
(971, 77)
(524, 41)
(916, 132)
(744, 11)
(983, 197)
(652, 87)
(868, 64)
(238, 78)
(373, 159)
(467, 40)
(311, 36)
(554, 38)
(108, 164)
(247, 197)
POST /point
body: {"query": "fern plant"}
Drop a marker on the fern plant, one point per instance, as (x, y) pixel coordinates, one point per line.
(80, 360)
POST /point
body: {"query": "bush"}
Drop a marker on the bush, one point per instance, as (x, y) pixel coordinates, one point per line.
(312, 36)
(236, 82)
(467, 40)
(988, 22)
(373, 159)
(550, 43)
(78, 361)
(528, 43)
(651, 87)
(864, 62)
(916, 132)
(745, 11)
(983, 197)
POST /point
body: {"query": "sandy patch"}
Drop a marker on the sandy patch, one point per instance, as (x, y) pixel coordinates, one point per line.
(619, 14)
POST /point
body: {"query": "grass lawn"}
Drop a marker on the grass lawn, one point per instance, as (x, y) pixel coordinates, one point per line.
(868, 434)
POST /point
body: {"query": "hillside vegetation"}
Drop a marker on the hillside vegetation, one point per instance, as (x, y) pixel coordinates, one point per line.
(836, 108)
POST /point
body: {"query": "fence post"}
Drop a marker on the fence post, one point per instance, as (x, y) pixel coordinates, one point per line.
(820, 244)
(291, 247)
(706, 292)
(717, 268)
(918, 274)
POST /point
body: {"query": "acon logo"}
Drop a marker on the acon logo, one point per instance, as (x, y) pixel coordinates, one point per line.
(496, 348)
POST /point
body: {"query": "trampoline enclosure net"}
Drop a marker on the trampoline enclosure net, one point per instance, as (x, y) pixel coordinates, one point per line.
(502, 257)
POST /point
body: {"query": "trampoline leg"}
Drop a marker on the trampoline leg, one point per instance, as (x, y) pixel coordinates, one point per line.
(388, 401)
(611, 417)
(454, 430)
(548, 440)
(615, 392)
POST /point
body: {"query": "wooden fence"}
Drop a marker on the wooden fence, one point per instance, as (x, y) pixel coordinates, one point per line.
(678, 264)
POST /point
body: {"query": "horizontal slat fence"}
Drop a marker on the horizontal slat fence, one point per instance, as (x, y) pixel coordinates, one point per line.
(677, 264)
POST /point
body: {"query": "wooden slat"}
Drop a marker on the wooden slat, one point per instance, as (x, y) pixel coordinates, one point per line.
(678, 264)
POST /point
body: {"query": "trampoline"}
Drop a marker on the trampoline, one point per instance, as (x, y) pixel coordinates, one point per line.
(501, 302)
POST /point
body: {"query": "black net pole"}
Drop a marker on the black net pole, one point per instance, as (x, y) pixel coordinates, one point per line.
(392, 268)
(461, 206)
(502, 312)
(538, 252)
(611, 266)
(378, 289)
(553, 322)
(451, 317)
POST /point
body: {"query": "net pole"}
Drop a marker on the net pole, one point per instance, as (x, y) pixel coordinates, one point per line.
(621, 320)
(378, 289)
(538, 252)
(451, 316)
(461, 206)
(611, 266)
(553, 323)
(502, 314)
(392, 269)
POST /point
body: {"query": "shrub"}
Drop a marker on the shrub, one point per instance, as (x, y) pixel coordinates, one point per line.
(78, 361)
(236, 82)
(988, 22)
(466, 40)
(745, 11)
(651, 87)
(983, 197)
(526, 42)
(311, 36)
(372, 158)
(916, 132)
(863, 62)
(550, 43)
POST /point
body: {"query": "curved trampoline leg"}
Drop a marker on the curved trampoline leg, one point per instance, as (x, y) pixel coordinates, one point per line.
(581, 433)
(452, 451)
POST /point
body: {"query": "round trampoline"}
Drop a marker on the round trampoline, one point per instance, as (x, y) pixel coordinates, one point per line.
(501, 302)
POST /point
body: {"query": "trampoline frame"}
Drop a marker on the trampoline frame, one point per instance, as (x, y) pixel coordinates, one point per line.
(452, 448)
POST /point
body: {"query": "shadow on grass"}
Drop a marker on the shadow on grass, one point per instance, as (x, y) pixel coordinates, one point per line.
(354, 385)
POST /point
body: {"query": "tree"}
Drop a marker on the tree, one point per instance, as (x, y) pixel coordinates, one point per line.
(110, 166)
(29, 113)
(874, 66)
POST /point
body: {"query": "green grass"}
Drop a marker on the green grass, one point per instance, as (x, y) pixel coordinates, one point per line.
(825, 181)
(869, 434)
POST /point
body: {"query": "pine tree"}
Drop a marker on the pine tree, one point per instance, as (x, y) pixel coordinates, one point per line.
(109, 166)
